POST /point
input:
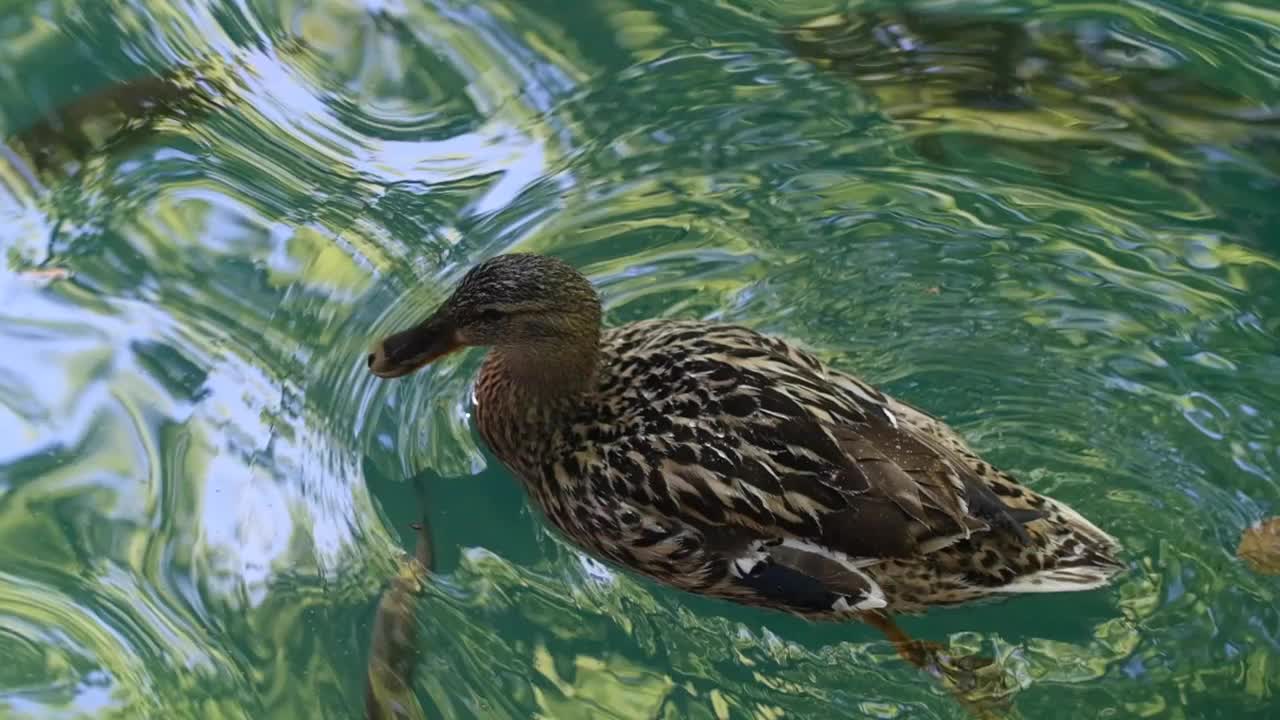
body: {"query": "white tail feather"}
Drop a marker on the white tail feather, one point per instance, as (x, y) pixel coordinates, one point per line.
(1067, 579)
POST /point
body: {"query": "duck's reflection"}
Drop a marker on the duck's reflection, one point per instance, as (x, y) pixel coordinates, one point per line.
(393, 647)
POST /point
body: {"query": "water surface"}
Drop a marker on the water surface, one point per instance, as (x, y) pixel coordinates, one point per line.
(1054, 225)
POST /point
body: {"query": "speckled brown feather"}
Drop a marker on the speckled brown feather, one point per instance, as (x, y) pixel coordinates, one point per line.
(698, 454)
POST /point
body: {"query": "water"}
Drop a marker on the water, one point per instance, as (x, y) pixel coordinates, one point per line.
(1055, 225)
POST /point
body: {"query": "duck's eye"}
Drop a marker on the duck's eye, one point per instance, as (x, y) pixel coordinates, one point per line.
(490, 315)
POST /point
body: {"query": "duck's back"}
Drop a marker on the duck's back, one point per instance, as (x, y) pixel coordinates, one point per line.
(734, 464)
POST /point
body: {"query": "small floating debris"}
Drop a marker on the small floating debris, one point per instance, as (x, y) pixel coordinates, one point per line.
(1260, 547)
(45, 275)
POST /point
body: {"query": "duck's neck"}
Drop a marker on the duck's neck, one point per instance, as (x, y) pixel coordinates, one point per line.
(546, 375)
(523, 392)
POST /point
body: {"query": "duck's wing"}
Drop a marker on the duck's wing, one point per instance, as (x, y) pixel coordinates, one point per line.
(870, 490)
(805, 476)
(882, 490)
(844, 470)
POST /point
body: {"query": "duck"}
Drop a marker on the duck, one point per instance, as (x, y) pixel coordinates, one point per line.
(728, 463)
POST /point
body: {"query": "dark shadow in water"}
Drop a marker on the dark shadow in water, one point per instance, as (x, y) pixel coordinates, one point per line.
(116, 118)
(1124, 91)
(1008, 65)
(974, 61)
(1068, 101)
(122, 116)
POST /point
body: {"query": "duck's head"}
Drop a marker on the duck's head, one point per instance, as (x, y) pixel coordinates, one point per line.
(530, 306)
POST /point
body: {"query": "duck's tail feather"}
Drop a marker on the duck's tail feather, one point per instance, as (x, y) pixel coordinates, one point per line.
(1078, 555)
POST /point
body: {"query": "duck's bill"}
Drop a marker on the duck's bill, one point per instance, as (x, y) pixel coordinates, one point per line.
(410, 350)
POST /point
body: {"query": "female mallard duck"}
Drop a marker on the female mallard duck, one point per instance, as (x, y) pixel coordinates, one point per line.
(731, 464)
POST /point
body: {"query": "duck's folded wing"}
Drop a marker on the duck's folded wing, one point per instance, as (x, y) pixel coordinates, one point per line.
(801, 478)
(867, 493)
(867, 487)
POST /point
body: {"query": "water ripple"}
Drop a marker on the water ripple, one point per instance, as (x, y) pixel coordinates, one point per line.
(1052, 225)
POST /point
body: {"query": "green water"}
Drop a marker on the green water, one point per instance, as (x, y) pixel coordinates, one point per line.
(1075, 261)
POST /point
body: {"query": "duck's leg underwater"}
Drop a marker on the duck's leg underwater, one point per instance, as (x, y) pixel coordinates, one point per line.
(961, 673)
(921, 653)
(393, 648)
